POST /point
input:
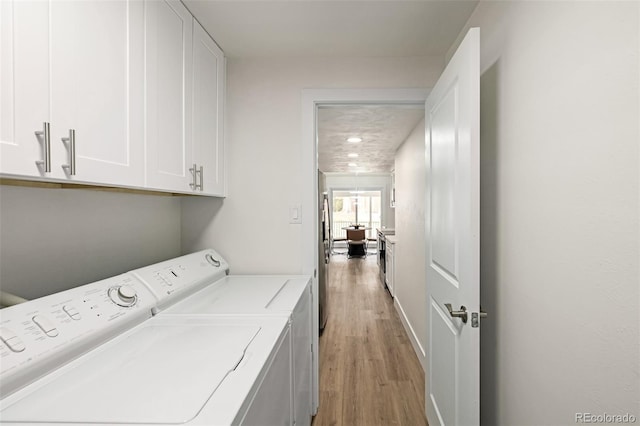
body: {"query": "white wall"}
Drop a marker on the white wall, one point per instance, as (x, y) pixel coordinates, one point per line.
(263, 135)
(338, 181)
(559, 210)
(410, 273)
(55, 239)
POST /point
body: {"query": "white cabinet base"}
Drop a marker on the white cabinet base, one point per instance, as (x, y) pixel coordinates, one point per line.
(390, 267)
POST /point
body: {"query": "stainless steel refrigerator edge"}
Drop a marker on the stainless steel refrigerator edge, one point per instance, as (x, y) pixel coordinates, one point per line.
(324, 239)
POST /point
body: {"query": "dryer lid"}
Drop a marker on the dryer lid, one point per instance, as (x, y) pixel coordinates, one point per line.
(250, 294)
(157, 373)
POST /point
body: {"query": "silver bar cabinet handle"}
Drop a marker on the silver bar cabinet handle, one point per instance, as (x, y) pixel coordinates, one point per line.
(462, 313)
(71, 146)
(201, 173)
(45, 133)
(194, 172)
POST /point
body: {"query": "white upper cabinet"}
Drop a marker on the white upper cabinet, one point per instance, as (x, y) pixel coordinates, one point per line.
(392, 203)
(24, 86)
(169, 42)
(97, 65)
(208, 105)
(113, 93)
(185, 102)
(77, 66)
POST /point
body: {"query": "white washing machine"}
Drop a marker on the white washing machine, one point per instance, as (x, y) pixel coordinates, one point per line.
(95, 355)
(211, 294)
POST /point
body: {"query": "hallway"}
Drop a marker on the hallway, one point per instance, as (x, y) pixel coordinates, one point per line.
(369, 373)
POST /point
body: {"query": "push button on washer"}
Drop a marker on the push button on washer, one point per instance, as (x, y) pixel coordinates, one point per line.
(12, 341)
(45, 325)
(72, 312)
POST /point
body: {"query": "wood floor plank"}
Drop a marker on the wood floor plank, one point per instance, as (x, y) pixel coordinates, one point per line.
(369, 374)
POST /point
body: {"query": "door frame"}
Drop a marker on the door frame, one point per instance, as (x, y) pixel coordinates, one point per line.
(311, 100)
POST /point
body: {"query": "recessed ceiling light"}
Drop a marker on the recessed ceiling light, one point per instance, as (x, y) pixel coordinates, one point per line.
(354, 139)
(353, 165)
(353, 155)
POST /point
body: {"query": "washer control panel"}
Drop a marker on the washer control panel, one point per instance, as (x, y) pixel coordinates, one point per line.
(174, 279)
(42, 333)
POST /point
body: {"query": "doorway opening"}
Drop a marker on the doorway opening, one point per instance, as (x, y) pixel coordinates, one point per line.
(312, 100)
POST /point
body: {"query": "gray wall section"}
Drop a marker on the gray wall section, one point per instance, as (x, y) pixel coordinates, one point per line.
(55, 239)
(263, 131)
(410, 274)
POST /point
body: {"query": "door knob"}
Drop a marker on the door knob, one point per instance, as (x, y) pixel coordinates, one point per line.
(462, 313)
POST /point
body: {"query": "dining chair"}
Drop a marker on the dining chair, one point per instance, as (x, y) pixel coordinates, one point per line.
(356, 243)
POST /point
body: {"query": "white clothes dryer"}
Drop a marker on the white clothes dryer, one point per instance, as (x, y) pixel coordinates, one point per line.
(286, 296)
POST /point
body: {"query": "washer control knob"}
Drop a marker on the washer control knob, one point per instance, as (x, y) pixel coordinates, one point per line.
(123, 295)
(212, 260)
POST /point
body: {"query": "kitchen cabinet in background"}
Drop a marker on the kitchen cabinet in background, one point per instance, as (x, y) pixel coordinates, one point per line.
(392, 202)
(390, 247)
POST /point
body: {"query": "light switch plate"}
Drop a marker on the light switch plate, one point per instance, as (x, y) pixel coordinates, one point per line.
(295, 213)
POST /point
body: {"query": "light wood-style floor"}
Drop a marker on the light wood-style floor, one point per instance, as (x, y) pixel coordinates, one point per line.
(369, 373)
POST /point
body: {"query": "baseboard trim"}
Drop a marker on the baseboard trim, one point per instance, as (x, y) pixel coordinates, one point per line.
(417, 347)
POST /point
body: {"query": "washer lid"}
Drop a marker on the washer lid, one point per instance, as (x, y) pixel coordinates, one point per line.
(239, 294)
(157, 373)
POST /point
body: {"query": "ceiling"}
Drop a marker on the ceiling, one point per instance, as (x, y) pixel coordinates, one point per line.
(341, 28)
(306, 28)
(382, 129)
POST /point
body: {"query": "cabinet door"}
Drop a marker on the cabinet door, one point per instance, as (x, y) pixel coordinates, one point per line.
(208, 104)
(393, 272)
(169, 45)
(24, 85)
(302, 360)
(387, 263)
(391, 268)
(97, 74)
(393, 190)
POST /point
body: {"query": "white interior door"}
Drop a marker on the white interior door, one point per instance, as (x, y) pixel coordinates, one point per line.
(452, 115)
